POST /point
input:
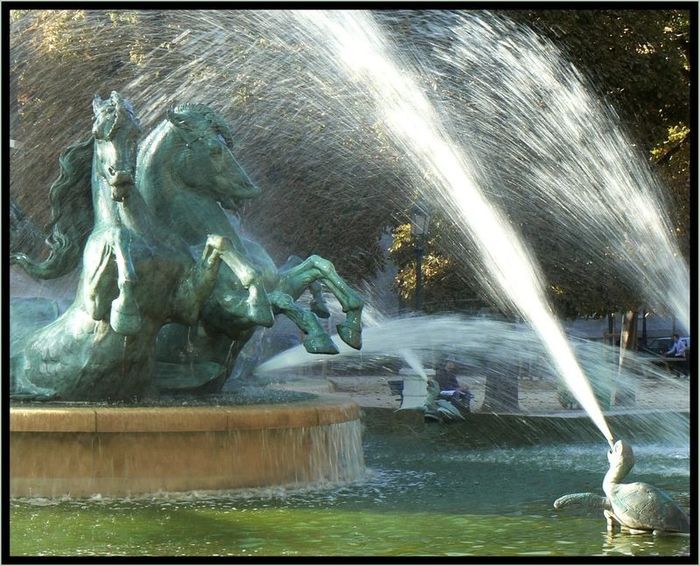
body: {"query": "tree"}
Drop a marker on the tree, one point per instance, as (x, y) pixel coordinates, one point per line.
(619, 50)
(447, 285)
(332, 176)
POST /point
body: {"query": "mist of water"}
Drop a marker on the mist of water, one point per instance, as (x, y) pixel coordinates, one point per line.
(559, 152)
(485, 346)
(541, 141)
(471, 340)
(355, 39)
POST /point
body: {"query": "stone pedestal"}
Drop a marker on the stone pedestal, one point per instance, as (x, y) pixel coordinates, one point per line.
(126, 451)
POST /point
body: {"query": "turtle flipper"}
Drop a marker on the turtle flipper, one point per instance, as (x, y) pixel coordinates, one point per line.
(587, 500)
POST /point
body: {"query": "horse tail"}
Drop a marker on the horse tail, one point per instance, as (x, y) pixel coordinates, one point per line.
(72, 217)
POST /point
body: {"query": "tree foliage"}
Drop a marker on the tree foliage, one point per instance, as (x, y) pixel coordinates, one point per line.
(619, 50)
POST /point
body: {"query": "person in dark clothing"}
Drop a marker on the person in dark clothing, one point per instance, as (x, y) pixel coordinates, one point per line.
(446, 376)
(679, 351)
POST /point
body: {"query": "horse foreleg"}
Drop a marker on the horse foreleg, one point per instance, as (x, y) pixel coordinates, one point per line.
(100, 289)
(198, 284)
(315, 268)
(21, 388)
(317, 340)
(125, 317)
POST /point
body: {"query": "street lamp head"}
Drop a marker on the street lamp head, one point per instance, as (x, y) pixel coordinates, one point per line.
(420, 218)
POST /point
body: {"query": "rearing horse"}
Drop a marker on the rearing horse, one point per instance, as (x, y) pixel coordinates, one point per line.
(185, 171)
(95, 175)
(137, 274)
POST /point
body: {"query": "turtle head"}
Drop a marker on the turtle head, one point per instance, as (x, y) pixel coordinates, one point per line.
(621, 459)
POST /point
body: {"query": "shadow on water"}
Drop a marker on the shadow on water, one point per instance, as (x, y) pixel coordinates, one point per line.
(261, 527)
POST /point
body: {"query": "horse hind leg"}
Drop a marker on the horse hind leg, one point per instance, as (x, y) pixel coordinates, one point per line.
(316, 268)
(317, 340)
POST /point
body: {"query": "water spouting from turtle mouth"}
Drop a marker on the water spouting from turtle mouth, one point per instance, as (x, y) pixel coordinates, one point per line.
(354, 40)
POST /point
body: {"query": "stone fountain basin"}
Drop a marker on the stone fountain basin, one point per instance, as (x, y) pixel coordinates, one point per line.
(121, 451)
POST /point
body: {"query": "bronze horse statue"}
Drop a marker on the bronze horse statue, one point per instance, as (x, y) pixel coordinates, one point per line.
(177, 165)
(136, 274)
(163, 269)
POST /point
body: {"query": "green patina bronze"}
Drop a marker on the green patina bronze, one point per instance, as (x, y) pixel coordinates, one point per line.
(635, 507)
(168, 292)
(182, 150)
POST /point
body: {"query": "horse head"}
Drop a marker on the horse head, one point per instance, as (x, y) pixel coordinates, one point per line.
(115, 130)
(206, 163)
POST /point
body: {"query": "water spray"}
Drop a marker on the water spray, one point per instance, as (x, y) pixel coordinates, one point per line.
(356, 41)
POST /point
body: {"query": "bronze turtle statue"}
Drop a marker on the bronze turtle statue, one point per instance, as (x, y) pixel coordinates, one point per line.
(636, 507)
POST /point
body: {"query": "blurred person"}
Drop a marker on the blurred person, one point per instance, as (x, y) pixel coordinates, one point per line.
(678, 351)
(446, 376)
(678, 348)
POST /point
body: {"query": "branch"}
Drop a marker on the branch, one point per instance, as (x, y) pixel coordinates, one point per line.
(671, 150)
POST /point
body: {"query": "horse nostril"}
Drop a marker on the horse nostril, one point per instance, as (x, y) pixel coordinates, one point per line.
(111, 171)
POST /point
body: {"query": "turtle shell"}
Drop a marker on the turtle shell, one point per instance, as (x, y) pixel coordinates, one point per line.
(642, 506)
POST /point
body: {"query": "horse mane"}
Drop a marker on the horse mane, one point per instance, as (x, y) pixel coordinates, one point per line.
(218, 125)
(72, 217)
(216, 122)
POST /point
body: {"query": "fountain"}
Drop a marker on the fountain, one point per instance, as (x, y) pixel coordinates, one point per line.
(137, 276)
(453, 182)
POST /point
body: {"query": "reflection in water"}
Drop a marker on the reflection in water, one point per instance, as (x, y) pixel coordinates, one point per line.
(629, 545)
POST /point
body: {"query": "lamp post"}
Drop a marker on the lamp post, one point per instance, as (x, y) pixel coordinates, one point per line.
(420, 219)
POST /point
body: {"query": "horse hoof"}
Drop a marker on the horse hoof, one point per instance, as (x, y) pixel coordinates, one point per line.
(351, 335)
(125, 318)
(35, 394)
(320, 345)
(320, 309)
(260, 315)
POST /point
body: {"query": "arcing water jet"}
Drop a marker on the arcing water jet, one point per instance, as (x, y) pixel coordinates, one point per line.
(356, 40)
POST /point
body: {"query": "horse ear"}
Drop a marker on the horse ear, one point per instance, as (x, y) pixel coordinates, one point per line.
(97, 104)
(180, 120)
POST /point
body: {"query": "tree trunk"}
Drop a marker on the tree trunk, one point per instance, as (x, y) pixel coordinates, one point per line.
(625, 390)
(501, 391)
